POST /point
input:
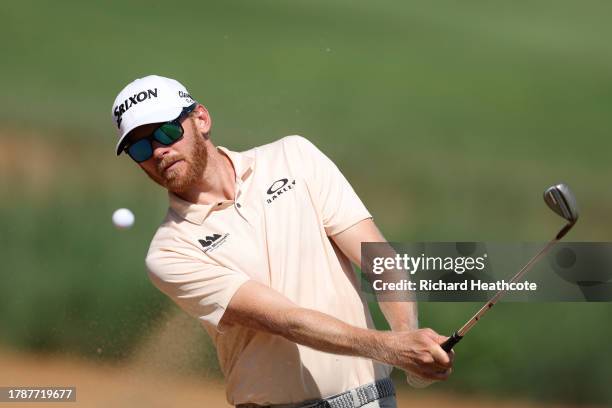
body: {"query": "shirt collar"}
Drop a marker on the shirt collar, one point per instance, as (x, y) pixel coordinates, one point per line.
(196, 213)
(242, 162)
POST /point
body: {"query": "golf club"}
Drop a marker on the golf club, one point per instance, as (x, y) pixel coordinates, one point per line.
(560, 199)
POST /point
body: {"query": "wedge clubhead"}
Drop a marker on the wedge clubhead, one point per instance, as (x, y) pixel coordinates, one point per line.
(560, 199)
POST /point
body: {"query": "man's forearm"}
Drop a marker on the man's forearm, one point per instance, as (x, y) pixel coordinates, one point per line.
(408, 350)
(401, 315)
(259, 307)
(326, 333)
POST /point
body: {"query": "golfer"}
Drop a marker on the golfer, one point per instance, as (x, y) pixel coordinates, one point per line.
(258, 246)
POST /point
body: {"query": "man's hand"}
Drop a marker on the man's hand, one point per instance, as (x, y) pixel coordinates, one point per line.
(419, 352)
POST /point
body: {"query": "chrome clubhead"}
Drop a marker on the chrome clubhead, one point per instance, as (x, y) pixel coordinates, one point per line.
(561, 200)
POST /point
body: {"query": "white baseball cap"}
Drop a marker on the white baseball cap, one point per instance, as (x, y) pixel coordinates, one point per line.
(151, 99)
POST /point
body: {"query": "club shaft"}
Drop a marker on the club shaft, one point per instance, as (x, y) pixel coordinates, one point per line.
(483, 310)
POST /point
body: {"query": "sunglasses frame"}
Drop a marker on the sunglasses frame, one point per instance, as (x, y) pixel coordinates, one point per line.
(177, 122)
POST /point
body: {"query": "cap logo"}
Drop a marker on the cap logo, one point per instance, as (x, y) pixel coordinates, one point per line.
(186, 96)
(131, 101)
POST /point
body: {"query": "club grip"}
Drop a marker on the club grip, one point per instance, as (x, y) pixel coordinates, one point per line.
(450, 342)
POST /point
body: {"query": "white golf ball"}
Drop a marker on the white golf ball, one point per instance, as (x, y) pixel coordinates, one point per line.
(123, 218)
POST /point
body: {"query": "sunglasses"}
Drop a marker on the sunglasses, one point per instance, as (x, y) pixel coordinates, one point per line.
(167, 134)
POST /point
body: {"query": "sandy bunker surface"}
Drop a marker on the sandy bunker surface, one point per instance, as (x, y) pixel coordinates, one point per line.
(108, 385)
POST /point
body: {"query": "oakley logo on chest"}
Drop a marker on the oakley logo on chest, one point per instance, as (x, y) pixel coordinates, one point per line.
(212, 242)
(279, 187)
(131, 101)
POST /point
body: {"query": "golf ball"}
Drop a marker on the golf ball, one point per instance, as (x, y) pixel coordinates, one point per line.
(123, 218)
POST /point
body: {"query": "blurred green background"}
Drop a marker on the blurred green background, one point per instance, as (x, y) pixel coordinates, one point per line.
(449, 119)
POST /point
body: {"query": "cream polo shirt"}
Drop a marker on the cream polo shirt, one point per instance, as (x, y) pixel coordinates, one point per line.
(289, 199)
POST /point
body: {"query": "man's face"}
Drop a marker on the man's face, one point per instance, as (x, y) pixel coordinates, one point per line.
(181, 165)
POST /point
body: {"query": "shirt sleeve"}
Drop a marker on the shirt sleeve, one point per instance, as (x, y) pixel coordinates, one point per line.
(336, 201)
(201, 289)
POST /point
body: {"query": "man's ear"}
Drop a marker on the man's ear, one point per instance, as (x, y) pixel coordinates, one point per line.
(203, 121)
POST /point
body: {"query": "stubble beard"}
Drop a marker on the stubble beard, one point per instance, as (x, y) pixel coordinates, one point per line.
(187, 173)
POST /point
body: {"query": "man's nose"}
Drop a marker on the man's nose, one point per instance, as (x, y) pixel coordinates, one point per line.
(159, 150)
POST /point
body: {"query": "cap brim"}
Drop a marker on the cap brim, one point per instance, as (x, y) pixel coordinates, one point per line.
(153, 117)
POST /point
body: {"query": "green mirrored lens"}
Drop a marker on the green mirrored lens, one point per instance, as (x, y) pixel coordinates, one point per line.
(168, 133)
(141, 150)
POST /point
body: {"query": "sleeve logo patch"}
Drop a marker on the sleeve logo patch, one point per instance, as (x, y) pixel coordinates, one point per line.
(212, 242)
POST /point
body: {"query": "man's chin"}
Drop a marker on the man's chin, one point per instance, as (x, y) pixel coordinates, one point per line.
(179, 177)
(175, 185)
(178, 183)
